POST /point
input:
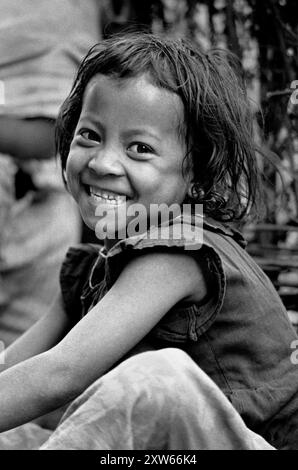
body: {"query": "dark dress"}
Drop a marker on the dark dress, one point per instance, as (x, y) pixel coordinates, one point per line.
(240, 335)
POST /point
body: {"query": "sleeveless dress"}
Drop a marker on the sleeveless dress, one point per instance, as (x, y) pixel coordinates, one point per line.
(240, 335)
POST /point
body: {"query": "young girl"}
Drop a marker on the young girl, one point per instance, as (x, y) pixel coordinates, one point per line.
(169, 342)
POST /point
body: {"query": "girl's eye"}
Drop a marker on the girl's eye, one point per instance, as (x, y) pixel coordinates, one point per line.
(140, 148)
(90, 135)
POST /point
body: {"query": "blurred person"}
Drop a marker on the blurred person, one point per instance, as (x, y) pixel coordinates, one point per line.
(41, 44)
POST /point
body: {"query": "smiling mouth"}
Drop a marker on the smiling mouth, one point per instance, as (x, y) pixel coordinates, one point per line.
(107, 197)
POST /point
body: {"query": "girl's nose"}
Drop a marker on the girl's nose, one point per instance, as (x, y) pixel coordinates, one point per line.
(107, 162)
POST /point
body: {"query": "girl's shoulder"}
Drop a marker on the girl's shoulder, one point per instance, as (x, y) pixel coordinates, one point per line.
(79, 259)
(186, 231)
(188, 235)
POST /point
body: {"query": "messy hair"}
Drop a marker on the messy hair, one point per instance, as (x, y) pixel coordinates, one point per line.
(217, 125)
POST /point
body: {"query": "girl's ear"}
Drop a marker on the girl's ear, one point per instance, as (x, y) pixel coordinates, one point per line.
(195, 192)
(190, 190)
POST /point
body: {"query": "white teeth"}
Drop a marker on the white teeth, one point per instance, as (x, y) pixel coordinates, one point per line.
(107, 198)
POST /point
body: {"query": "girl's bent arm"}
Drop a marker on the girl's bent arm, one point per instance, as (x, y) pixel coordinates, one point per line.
(144, 292)
(148, 287)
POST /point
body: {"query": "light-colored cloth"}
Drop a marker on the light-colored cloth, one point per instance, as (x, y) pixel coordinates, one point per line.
(27, 437)
(41, 44)
(154, 400)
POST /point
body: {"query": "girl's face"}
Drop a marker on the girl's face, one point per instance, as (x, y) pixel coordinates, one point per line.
(126, 150)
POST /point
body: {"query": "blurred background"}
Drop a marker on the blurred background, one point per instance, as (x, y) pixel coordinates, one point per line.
(264, 36)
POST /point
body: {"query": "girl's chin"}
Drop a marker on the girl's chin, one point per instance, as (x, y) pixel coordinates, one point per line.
(110, 234)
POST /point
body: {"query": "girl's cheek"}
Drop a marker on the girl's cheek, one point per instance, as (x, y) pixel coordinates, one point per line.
(74, 161)
(72, 171)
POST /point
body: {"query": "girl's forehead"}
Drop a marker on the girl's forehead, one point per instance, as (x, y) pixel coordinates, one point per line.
(100, 83)
(138, 95)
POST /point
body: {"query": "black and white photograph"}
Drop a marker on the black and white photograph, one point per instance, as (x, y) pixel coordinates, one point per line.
(149, 228)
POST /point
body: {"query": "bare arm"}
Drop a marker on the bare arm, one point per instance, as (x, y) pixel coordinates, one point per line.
(146, 289)
(25, 139)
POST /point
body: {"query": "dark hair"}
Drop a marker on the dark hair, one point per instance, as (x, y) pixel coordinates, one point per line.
(217, 116)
